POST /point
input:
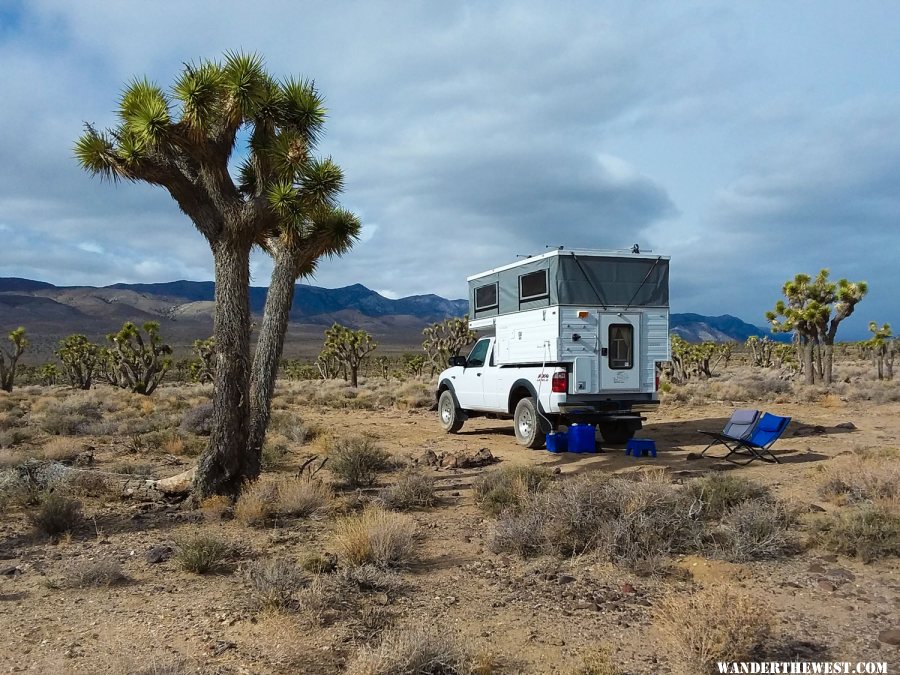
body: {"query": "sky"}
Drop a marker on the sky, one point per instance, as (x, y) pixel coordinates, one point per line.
(748, 141)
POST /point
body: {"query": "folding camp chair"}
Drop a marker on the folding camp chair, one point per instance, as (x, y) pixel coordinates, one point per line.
(739, 426)
(760, 441)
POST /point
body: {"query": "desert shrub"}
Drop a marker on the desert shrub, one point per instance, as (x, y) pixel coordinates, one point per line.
(293, 428)
(717, 492)
(869, 533)
(274, 584)
(367, 578)
(319, 563)
(89, 483)
(56, 515)
(624, 521)
(710, 625)
(376, 536)
(215, 507)
(133, 468)
(414, 651)
(864, 475)
(302, 497)
(500, 489)
(9, 459)
(357, 460)
(10, 438)
(256, 504)
(412, 490)
(274, 453)
(69, 417)
(60, 450)
(198, 420)
(95, 574)
(202, 553)
(596, 662)
(754, 529)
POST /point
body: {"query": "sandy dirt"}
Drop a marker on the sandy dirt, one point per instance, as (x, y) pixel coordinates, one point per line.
(530, 616)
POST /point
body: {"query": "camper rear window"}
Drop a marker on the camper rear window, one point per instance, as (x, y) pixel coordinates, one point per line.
(621, 346)
(533, 286)
(486, 297)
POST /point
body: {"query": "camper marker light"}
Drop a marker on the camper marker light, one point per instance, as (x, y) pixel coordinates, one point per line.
(582, 315)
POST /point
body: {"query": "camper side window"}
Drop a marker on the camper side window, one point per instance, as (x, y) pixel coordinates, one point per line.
(533, 286)
(486, 297)
(621, 346)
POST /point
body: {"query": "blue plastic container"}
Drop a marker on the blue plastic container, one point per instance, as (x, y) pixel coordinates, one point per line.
(557, 441)
(582, 438)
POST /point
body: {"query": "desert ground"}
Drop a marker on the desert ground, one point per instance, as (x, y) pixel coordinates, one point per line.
(290, 589)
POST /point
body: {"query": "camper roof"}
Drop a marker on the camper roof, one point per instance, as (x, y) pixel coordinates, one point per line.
(584, 253)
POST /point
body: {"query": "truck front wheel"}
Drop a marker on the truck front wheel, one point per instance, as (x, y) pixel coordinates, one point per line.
(527, 424)
(450, 416)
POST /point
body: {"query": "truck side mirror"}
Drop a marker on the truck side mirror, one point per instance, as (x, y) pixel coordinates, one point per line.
(457, 361)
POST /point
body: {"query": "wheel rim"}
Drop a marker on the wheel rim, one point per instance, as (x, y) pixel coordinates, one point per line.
(526, 424)
(446, 411)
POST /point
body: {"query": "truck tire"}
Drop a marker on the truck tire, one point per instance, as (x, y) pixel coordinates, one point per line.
(528, 425)
(618, 432)
(449, 415)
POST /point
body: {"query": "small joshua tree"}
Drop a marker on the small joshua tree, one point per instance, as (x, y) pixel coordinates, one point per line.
(446, 339)
(10, 359)
(203, 366)
(80, 359)
(413, 364)
(883, 348)
(761, 351)
(350, 348)
(383, 363)
(135, 363)
(49, 374)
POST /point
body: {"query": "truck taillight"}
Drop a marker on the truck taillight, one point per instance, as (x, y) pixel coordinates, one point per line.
(560, 384)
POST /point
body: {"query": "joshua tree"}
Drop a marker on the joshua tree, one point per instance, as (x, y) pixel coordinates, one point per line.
(446, 339)
(80, 359)
(808, 314)
(10, 359)
(137, 364)
(413, 364)
(883, 348)
(183, 142)
(350, 348)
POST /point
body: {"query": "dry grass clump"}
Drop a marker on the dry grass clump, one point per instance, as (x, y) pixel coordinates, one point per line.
(274, 453)
(95, 574)
(274, 584)
(293, 428)
(414, 394)
(500, 489)
(203, 553)
(710, 625)
(9, 438)
(755, 529)
(60, 449)
(376, 537)
(864, 475)
(56, 515)
(415, 651)
(411, 491)
(869, 533)
(215, 507)
(303, 497)
(357, 460)
(596, 662)
(256, 504)
(10, 458)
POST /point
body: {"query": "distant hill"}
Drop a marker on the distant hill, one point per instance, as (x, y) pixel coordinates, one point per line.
(185, 310)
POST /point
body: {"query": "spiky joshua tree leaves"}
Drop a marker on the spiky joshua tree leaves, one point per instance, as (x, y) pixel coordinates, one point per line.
(9, 359)
(80, 359)
(282, 200)
(446, 339)
(812, 310)
(137, 364)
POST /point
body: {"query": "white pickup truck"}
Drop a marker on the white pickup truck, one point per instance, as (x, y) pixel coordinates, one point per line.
(538, 398)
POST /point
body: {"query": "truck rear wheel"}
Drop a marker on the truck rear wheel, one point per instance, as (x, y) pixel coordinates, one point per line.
(617, 432)
(450, 416)
(528, 425)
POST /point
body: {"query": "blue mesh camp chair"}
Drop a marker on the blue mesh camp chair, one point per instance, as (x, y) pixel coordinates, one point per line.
(760, 441)
(740, 426)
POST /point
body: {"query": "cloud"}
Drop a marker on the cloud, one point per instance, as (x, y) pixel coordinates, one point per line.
(739, 139)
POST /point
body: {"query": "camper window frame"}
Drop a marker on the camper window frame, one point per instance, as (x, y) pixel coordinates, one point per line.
(495, 305)
(539, 296)
(609, 339)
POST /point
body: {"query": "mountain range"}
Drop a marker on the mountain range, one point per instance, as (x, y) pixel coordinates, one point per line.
(185, 310)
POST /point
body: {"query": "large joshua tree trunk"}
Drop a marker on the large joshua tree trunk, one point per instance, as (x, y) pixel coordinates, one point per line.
(269, 345)
(223, 467)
